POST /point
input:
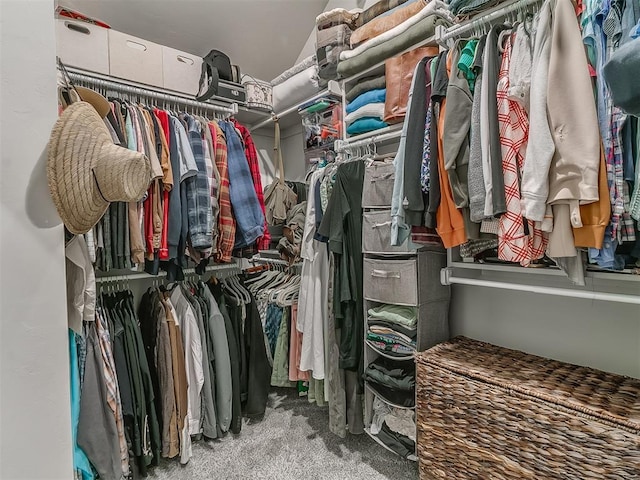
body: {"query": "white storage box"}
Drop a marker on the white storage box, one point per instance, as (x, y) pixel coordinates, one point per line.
(181, 70)
(135, 59)
(83, 45)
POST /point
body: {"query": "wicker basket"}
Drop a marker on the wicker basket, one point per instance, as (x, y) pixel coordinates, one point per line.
(487, 412)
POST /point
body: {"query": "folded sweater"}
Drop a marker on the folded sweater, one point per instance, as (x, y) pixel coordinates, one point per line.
(372, 96)
(407, 316)
(435, 6)
(366, 124)
(374, 110)
(364, 85)
(391, 45)
(384, 23)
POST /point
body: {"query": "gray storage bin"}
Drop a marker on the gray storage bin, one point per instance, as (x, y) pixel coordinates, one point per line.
(376, 234)
(391, 281)
(378, 185)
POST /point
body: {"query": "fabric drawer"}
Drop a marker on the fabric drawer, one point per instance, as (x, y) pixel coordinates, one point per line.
(83, 45)
(181, 71)
(376, 234)
(135, 59)
(391, 281)
(378, 185)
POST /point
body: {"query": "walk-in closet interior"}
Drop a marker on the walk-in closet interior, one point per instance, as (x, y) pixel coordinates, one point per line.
(324, 239)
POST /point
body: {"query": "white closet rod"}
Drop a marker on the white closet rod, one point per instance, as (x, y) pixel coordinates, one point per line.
(332, 89)
(342, 145)
(125, 86)
(443, 34)
(561, 292)
(227, 268)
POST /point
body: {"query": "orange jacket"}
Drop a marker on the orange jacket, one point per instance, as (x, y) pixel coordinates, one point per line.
(595, 216)
(449, 220)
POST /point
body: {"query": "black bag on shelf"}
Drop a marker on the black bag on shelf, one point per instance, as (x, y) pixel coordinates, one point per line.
(216, 66)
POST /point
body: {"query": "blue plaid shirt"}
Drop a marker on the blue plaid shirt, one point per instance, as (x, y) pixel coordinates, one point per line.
(200, 213)
(244, 200)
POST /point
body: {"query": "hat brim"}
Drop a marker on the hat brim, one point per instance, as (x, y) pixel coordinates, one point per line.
(100, 103)
(74, 149)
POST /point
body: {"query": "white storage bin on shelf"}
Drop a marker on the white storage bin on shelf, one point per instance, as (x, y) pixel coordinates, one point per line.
(83, 45)
(135, 59)
(181, 70)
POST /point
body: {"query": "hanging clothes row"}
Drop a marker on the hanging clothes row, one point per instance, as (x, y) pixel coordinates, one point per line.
(330, 309)
(190, 362)
(505, 146)
(205, 198)
(276, 290)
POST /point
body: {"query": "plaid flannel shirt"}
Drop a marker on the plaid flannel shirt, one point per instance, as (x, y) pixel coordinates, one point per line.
(249, 216)
(202, 236)
(515, 243)
(198, 203)
(254, 166)
(226, 222)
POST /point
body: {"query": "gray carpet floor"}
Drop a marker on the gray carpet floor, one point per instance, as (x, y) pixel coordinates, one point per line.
(293, 441)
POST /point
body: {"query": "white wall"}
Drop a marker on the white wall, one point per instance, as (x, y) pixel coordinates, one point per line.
(35, 426)
(598, 334)
(264, 147)
(295, 166)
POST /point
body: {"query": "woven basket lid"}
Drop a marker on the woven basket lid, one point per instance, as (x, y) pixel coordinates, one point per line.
(86, 170)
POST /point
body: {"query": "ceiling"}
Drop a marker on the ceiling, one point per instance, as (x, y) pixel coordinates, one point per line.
(263, 37)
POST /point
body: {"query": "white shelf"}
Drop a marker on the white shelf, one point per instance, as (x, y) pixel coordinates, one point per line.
(249, 116)
(332, 90)
(373, 390)
(625, 275)
(375, 438)
(386, 355)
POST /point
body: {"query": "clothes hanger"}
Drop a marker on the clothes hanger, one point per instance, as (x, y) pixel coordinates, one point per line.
(289, 281)
(244, 293)
(231, 288)
(289, 294)
(271, 280)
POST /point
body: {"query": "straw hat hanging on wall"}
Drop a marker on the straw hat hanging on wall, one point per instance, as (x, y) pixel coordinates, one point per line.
(86, 170)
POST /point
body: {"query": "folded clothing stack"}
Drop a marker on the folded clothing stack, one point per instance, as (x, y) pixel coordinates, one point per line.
(393, 380)
(396, 314)
(390, 341)
(468, 8)
(392, 329)
(395, 427)
(386, 38)
(333, 32)
(386, 21)
(365, 113)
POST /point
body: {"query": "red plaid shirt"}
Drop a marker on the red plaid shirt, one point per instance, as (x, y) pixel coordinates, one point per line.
(226, 222)
(515, 243)
(254, 165)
